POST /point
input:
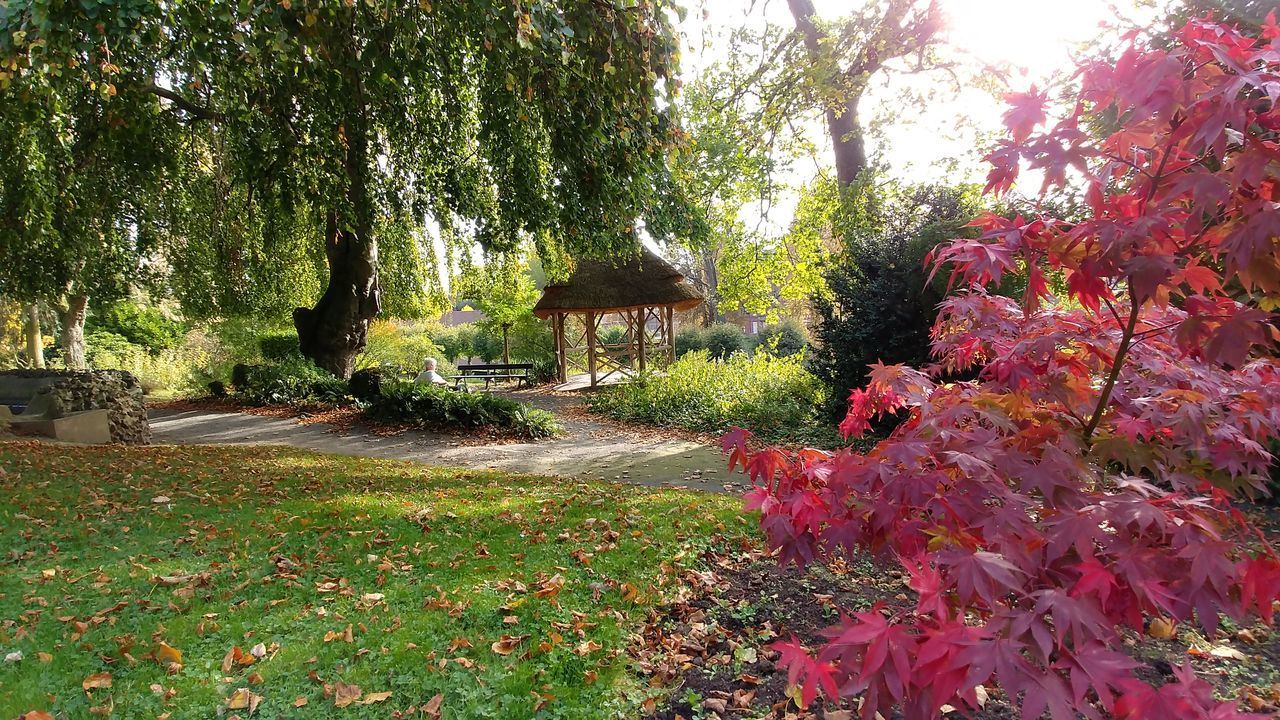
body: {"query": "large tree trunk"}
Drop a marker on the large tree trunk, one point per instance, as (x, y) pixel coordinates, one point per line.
(73, 317)
(35, 341)
(333, 333)
(842, 119)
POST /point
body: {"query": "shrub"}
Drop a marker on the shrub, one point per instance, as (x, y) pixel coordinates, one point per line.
(280, 346)
(171, 370)
(456, 342)
(104, 349)
(783, 339)
(723, 340)
(689, 340)
(1083, 480)
(775, 397)
(365, 384)
(144, 326)
(400, 348)
(486, 345)
(439, 408)
(296, 382)
(879, 306)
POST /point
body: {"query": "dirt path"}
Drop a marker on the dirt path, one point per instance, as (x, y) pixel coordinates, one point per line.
(591, 447)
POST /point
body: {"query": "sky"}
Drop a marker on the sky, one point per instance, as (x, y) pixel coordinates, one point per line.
(1031, 39)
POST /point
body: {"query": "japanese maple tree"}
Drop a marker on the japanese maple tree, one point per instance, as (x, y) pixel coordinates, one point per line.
(1083, 482)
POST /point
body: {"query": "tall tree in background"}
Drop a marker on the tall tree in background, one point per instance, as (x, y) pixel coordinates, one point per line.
(737, 152)
(83, 167)
(843, 56)
(361, 113)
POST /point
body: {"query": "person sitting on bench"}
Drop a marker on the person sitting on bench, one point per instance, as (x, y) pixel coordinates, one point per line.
(429, 376)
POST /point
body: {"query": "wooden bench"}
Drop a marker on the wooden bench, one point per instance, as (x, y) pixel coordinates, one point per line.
(492, 373)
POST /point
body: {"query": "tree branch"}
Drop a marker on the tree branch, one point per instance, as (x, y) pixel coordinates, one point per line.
(199, 112)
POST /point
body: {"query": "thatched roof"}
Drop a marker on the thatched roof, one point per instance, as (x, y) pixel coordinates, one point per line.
(640, 281)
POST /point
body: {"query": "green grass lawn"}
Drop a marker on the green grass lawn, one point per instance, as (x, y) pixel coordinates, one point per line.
(508, 596)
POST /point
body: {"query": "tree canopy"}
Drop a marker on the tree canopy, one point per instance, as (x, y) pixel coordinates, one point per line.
(478, 122)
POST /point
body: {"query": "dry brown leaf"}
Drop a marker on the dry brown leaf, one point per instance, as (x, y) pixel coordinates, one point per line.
(432, 708)
(344, 694)
(506, 644)
(244, 699)
(35, 715)
(1161, 628)
(375, 697)
(299, 701)
(97, 680)
(166, 654)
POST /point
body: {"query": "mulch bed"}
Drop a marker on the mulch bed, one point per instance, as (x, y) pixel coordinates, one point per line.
(708, 652)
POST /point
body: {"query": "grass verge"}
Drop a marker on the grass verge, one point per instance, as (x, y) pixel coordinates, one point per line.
(197, 582)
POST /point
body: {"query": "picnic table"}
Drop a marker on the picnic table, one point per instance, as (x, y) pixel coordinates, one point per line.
(492, 372)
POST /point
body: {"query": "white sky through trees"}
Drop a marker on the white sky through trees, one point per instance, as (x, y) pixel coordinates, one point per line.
(939, 140)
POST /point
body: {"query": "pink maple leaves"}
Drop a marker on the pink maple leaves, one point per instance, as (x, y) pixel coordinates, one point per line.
(1083, 481)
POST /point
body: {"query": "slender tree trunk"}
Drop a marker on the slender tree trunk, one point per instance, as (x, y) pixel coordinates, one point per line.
(711, 279)
(333, 333)
(35, 341)
(842, 120)
(506, 344)
(73, 317)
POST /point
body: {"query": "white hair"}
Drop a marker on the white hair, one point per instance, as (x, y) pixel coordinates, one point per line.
(429, 363)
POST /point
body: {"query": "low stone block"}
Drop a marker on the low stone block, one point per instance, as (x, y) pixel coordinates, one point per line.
(89, 427)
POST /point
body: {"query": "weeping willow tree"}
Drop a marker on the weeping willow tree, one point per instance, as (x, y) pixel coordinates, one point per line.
(362, 124)
(82, 167)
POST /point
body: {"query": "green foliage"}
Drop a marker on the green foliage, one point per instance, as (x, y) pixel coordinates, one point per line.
(439, 408)
(486, 345)
(400, 348)
(689, 340)
(176, 369)
(723, 340)
(141, 325)
(880, 306)
(783, 339)
(295, 382)
(776, 398)
(279, 346)
(456, 342)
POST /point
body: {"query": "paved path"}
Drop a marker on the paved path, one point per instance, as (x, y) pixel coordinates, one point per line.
(590, 448)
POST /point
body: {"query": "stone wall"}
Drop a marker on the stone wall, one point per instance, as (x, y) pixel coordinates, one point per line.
(116, 391)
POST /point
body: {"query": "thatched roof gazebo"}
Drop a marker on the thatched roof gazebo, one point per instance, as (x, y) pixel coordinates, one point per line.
(639, 294)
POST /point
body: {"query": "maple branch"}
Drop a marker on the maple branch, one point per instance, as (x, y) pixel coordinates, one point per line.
(1111, 306)
(1126, 340)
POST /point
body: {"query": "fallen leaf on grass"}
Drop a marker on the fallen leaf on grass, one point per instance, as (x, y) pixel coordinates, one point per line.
(432, 708)
(244, 699)
(166, 654)
(97, 680)
(161, 499)
(299, 702)
(344, 694)
(507, 644)
(375, 697)
(35, 715)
